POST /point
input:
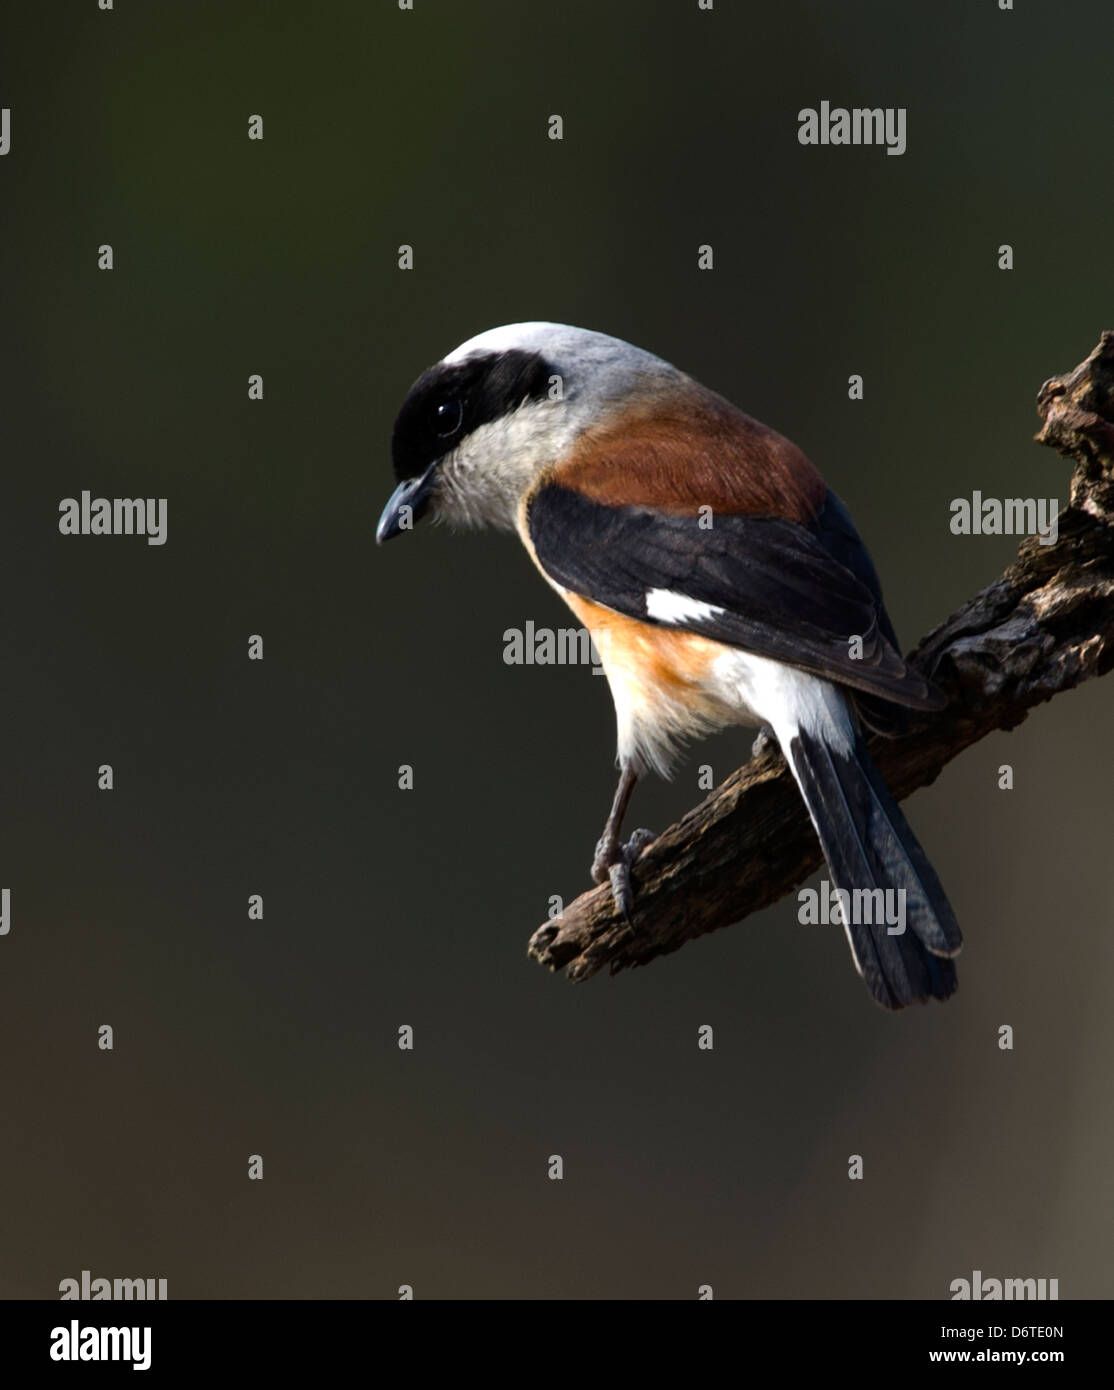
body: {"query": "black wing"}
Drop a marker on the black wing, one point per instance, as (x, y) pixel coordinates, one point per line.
(786, 591)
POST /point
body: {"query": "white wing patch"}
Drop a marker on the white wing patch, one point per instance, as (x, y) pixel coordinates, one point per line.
(669, 607)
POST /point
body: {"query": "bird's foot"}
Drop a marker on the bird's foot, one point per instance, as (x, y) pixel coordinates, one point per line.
(764, 740)
(613, 863)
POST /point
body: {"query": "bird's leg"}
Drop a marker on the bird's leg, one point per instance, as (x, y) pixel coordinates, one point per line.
(613, 859)
(608, 848)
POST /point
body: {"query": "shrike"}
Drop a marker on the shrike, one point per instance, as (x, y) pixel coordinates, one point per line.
(730, 580)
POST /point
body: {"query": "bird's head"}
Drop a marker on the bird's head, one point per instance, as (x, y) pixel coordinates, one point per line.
(478, 428)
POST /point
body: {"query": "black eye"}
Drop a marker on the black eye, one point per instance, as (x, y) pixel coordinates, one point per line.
(447, 416)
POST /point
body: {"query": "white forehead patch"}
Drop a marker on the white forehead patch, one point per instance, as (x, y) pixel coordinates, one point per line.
(529, 336)
(605, 365)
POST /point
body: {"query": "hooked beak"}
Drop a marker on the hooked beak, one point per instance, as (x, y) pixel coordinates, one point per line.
(408, 501)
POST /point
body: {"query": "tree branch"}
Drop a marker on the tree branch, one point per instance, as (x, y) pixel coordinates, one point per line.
(1045, 626)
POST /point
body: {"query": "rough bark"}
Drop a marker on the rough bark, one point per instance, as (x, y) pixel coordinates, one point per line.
(1046, 625)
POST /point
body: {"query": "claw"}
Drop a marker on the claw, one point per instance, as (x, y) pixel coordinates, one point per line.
(604, 857)
(621, 892)
(764, 740)
(613, 863)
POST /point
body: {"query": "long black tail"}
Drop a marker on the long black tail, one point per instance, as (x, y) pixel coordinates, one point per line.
(868, 845)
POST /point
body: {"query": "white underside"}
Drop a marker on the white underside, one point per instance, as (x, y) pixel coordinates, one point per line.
(741, 689)
(786, 698)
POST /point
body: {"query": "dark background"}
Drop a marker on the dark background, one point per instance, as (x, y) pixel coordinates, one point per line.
(279, 777)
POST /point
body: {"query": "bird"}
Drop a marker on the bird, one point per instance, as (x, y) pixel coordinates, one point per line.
(729, 579)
